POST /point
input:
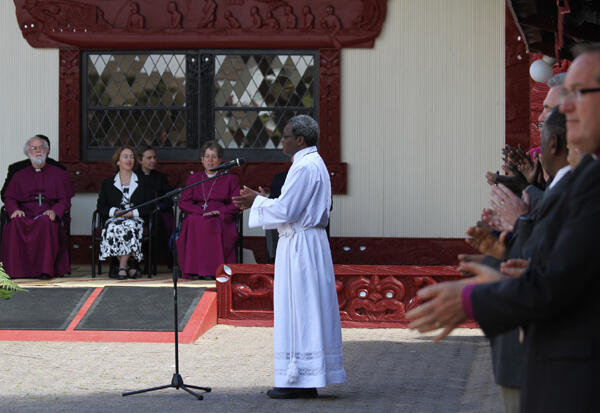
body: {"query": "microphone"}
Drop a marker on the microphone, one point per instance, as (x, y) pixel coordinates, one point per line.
(229, 165)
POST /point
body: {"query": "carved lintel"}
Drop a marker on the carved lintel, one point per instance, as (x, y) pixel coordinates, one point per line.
(200, 24)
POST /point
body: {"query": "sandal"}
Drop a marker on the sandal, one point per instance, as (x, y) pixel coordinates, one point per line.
(122, 276)
(133, 274)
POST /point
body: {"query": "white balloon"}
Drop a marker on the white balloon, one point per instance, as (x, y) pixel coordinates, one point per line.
(540, 71)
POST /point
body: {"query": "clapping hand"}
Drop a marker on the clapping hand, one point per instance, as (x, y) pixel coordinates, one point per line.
(484, 241)
(247, 196)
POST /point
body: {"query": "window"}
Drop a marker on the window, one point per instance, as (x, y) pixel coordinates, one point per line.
(177, 100)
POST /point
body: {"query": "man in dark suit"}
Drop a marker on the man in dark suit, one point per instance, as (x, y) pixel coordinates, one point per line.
(17, 166)
(158, 183)
(555, 298)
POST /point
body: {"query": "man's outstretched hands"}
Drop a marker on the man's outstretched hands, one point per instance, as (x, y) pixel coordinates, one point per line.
(443, 307)
(247, 196)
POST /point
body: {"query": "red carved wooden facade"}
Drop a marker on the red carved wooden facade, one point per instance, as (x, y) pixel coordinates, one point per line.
(73, 26)
(368, 296)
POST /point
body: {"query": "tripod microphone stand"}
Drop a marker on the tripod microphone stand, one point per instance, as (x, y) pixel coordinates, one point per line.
(176, 380)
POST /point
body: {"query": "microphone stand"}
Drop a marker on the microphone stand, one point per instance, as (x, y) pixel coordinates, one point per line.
(176, 380)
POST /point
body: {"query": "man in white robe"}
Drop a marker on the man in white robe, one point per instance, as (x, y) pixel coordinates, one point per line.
(307, 330)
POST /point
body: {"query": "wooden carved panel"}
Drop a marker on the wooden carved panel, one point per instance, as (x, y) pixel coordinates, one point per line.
(368, 296)
(143, 24)
(69, 105)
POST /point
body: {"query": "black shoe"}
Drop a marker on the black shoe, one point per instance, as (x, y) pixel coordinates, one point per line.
(122, 276)
(45, 276)
(133, 273)
(292, 393)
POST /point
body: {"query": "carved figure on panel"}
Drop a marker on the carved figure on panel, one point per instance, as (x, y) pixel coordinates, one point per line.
(175, 17)
(100, 20)
(309, 18)
(232, 22)
(369, 16)
(271, 21)
(209, 15)
(331, 22)
(257, 285)
(135, 19)
(372, 299)
(256, 18)
(290, 18)
(420, 282)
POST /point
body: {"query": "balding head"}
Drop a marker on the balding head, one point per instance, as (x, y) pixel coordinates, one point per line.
(581, 102)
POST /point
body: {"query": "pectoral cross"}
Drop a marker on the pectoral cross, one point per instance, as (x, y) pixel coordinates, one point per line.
(39, 199)
(204, 206)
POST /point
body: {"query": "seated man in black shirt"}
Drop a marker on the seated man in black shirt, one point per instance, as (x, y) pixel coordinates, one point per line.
(159, 182)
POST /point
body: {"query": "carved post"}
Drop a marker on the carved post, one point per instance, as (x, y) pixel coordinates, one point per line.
(69, 106)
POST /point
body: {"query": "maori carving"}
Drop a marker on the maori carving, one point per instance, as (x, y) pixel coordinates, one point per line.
(271, 22)
(69, 105)
(331, 22)
(373, 299)
(257, 21)
(370, 16)
(290, 18)
(329, 79)
(175, 17)
(420, 282)
(135, 21)
(257, 286)
(100, 24)
(209, 15)
(232, 22)
(309, 18)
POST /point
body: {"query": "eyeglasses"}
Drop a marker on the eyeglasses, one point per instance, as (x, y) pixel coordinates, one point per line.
(35, 148)
(577, 94)
(210, 157)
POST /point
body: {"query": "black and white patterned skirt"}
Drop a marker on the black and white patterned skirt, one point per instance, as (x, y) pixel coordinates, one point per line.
(122, 236)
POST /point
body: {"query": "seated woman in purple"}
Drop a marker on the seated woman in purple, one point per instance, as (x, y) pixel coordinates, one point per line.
(208, 231)
(122, 236)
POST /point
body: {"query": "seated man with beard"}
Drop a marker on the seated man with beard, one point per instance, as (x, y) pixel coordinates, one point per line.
(33, 242)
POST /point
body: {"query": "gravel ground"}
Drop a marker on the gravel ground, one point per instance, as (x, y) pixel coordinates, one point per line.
(389, 370)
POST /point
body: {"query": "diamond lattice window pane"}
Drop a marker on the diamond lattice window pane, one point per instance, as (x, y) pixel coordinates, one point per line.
(252, 129)
(156, 127)
(136, 80)
(264, 80)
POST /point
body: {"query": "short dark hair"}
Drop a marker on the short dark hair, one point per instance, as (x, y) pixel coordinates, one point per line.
(555, 124)
(214, 145)
(304, 125)
(143, 148)
(117, 155)
(587, 48)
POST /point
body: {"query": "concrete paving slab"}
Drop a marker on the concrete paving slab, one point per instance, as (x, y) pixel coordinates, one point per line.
(389, 370)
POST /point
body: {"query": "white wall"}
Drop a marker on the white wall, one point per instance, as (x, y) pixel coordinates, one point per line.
(29, 98)
(422, 117)
(422, 120)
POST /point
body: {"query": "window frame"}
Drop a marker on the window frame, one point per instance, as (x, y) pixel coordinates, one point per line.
(200, 116)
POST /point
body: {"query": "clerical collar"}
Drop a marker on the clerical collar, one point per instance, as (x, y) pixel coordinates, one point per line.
(210, 175)
(302, 152)
(38, 169)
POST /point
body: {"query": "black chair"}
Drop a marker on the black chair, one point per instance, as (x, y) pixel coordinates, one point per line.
(149, 235)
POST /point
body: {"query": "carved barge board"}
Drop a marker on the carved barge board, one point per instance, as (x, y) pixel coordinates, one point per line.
(368, 295)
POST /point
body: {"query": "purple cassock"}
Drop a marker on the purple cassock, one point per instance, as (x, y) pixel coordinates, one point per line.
(207, 242)
(33, 245)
